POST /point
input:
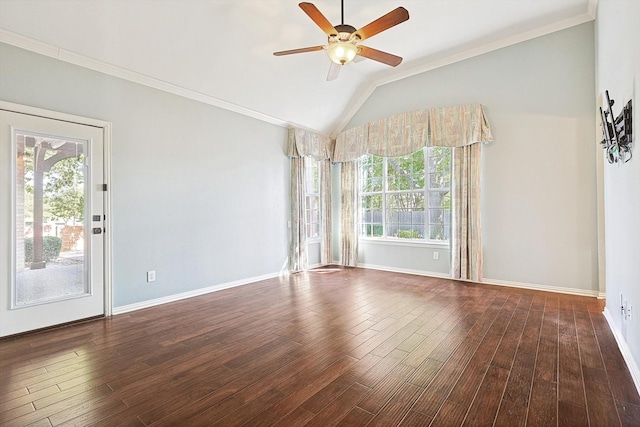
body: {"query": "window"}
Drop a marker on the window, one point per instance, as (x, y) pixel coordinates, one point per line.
(406, 197)
(312, 197)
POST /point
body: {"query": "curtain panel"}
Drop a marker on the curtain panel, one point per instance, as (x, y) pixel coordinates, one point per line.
(459, 127)
(349, 197)
(303, 144)
(466, 224)
(326, 245)
(298, 239)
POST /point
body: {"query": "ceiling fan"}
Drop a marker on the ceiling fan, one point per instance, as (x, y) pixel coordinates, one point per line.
(342, 46)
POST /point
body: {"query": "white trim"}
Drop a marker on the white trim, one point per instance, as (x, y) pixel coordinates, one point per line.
(50, 114)
(592, 8)
(624, 349)
(108, 224)
(415, 243)
(107, 133)
(545, 288)
(190, 294)
(470, 53)
(356, 102)
(354, 105)
(490, 47)
(406, 271)
(49, 50)
(535, 287)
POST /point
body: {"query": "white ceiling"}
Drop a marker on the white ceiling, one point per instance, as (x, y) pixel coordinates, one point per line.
(220, 51)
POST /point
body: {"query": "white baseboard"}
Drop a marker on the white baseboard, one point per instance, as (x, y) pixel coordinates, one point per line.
(406, 271)
(546, 288)
(535, 287)
(190, 294)
(624, 349)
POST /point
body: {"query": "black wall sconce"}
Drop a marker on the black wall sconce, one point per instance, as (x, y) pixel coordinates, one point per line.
(616, 132)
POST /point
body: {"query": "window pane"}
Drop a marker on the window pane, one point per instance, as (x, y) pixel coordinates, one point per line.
(406, 172)
(439, 167)
(373, 185)
(438, 232)
(313, 230)
(397, 208)
(438, 180)
(372, 201)
(372, 230)
(436, 216)
(402, 209)
(51, 262)
(371, 173)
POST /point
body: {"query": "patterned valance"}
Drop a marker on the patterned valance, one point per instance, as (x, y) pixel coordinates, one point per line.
(458, 126)
(406, 133)
(351, 144)
(303, 143)
(398, 135)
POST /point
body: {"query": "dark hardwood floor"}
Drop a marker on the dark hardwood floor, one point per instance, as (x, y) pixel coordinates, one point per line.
(331, 347)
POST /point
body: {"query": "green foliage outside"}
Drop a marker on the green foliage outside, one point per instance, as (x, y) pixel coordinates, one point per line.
(51, 248)
(407, 178)
(63, 194)
(408, 234)
(373, 230)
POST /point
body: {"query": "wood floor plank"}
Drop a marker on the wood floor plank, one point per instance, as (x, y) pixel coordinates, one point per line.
(601, 407)
(334, 346)
(395, 410)
(571, 416)
(338, 386)
(570, 381)
(484, 408)
(336, 410)
(356, 418)
(415, 419)
(385, 389)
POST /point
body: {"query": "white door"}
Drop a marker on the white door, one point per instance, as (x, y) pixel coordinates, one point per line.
(51, 222)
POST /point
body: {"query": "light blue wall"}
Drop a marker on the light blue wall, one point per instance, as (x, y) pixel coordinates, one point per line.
(539, 196)
(618, 53)
(199, 194)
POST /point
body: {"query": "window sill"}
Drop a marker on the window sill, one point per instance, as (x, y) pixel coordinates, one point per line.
(398, 242)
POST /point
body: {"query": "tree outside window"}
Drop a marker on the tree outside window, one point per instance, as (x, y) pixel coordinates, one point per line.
(406, 197)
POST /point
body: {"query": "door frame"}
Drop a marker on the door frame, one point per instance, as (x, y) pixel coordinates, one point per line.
(108, 222)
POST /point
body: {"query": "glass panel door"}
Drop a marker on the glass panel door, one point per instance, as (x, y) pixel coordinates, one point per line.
(51, 222)
(49, 219)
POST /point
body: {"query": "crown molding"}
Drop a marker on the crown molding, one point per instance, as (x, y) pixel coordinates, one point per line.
(52, 51)
(360, 97)
(470, 53)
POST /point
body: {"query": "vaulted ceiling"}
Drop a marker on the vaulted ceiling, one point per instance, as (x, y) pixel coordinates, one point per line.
(221, 51)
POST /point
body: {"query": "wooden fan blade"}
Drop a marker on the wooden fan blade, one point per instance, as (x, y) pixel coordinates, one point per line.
(317, 17)
(301, 50)
(334, 70)
(385, 22)
(380, 56)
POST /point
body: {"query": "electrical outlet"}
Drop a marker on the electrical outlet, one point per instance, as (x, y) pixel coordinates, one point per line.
(151, 276)
(436, 255)
(628, 312)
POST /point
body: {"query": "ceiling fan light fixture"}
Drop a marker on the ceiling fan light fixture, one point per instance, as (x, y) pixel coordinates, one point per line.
(342, 52)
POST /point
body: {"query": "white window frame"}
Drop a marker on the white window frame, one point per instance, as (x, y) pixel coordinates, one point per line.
(311, 168)
(384, 193)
